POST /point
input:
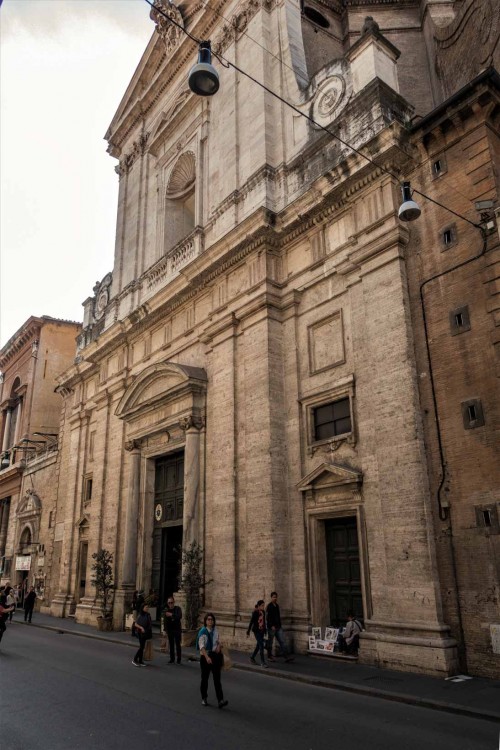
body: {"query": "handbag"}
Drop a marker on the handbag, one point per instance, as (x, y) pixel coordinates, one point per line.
(163, 644)
(227, 662)
(148, 651)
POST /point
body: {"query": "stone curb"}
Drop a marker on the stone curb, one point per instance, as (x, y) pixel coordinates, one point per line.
(323, 682)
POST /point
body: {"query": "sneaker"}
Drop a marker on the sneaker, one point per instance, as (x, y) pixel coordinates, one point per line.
(178, 662)
(171, 661)
(204, 702)
(135, 663)
(253, 660)
(142, 664)
(223, 703)
(271, 658)
(264, 665)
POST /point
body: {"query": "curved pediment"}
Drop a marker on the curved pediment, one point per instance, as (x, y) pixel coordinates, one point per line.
(328, 475)
(160, 382)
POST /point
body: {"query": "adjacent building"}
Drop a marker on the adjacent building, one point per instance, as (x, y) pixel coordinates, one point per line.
(29, 363)
(255, 373)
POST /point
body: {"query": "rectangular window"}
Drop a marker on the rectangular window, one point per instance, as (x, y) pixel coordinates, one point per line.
(331, 420)
(87, 489)
(487, 518)
(459, 320)
(472, 413)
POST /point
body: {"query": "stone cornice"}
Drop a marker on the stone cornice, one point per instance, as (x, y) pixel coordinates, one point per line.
(27, 333)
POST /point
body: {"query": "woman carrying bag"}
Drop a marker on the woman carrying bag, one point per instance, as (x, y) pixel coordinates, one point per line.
(144, 630)
(257, 625)
(210, 659)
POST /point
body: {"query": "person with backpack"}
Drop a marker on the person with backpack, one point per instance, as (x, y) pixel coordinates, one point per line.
(144, 630)
(257, 625)
(349, 640)
(209, 646)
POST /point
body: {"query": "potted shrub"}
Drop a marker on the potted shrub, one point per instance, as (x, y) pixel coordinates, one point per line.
(102, 580)
(192, 584)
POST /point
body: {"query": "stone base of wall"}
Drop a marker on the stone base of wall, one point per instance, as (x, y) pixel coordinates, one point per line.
(424, 656)
(86, 613)
(62, 605)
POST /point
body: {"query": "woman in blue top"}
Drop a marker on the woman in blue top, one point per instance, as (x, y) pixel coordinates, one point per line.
(210, 659)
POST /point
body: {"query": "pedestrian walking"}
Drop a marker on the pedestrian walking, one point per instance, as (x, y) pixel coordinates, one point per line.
(209, 645)
(144, 629)
(172, 623)
(349, 639)
(29, 603)
(11, 602)
(275, 629)
(5, 610)
(257, 625)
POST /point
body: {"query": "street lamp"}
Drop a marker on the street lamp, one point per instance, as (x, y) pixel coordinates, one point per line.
(408, 210)
(203, 78)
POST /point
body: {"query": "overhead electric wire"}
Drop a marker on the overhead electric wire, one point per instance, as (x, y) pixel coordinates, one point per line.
(228, 64)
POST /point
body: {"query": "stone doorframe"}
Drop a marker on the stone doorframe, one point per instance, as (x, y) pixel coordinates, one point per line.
(331, 491)
(164, 409)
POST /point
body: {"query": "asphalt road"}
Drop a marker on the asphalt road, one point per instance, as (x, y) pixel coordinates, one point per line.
(63, 692)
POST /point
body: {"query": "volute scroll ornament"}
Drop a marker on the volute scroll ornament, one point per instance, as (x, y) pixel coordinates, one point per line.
(186, 423)
(132, 445)
(169, 33)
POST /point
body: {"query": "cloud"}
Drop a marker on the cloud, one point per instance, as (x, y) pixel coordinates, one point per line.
(50, 17)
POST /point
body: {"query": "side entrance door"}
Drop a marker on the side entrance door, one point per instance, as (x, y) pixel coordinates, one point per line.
(344, 576)
(167, 534)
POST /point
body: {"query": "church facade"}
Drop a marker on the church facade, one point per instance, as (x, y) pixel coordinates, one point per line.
(248, 376)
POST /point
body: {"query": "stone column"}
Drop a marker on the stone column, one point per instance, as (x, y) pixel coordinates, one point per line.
(19, 408)
(4, 525)
(129, 563)
(192, 427)
(6, 430)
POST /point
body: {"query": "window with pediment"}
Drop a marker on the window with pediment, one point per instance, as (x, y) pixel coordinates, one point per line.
(180, 200)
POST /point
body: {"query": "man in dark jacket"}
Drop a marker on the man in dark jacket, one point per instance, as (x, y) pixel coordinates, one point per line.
(29, 603)
(274, 629)
(172, 622)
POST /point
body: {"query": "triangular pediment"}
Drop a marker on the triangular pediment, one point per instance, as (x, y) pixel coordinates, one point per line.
(328, 475)
(83, 522)
(158, 383)
(30, 504)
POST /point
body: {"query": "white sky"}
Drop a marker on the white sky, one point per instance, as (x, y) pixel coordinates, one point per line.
(64, 67)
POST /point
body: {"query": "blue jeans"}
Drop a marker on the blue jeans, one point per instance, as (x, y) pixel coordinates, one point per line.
(259, 637)
(280, 637)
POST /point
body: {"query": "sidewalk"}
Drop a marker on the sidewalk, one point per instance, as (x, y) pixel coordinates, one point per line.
(477, 697)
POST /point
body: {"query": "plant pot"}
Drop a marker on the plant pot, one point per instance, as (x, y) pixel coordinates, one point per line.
(188, 637)
(129, 619)
(104, 624)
